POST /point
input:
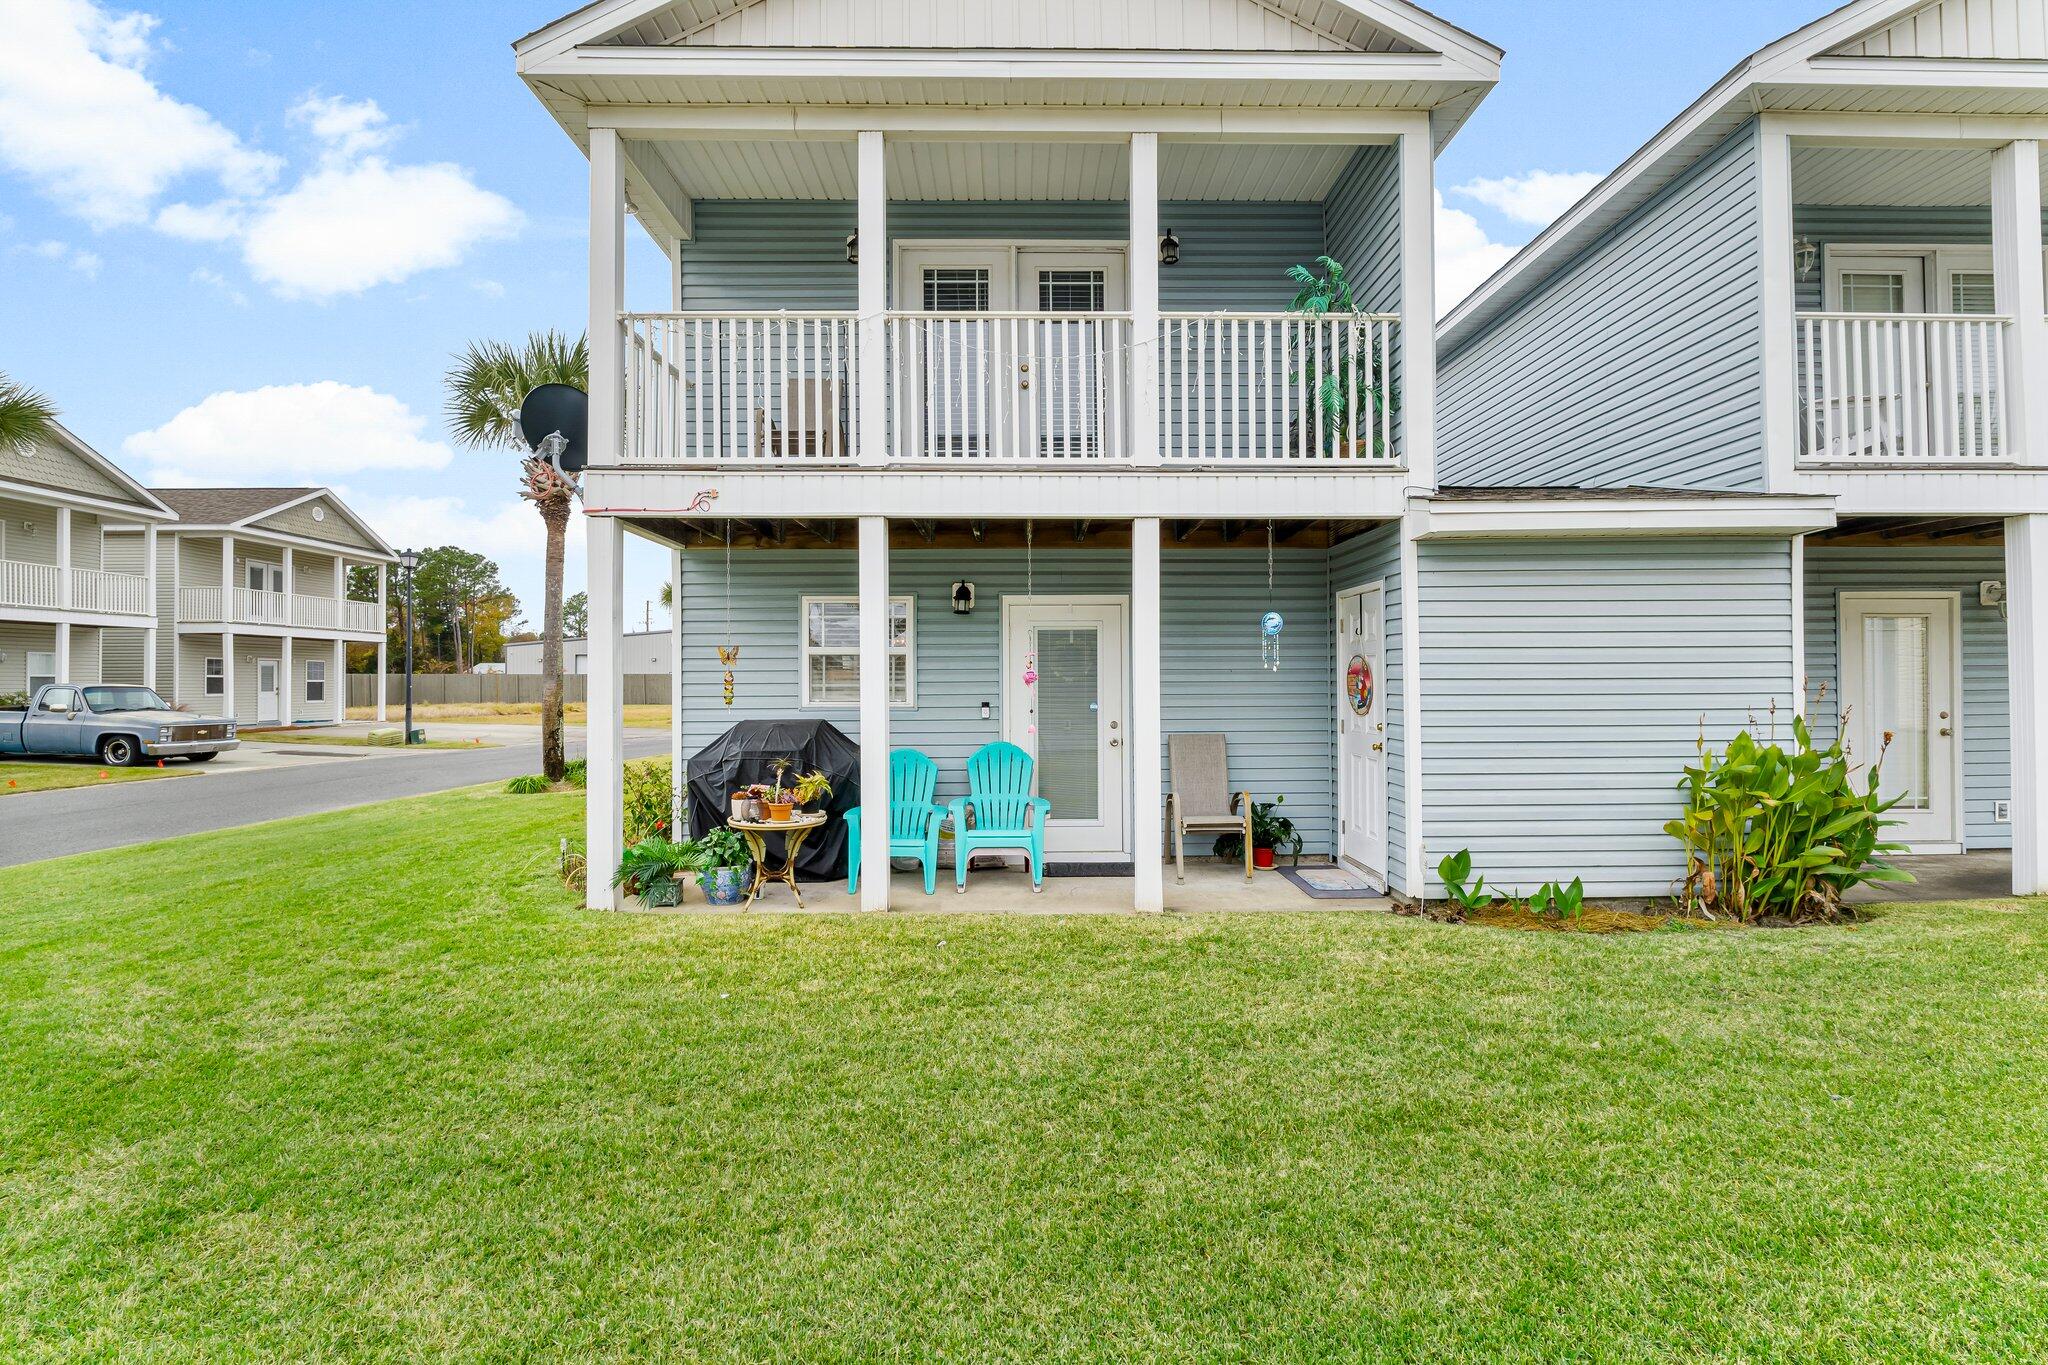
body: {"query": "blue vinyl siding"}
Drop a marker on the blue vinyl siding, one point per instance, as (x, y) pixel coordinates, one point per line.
(1987, 717)
(1639, 362)
(1362, 231)
(1358, 563)
(1566, 684)
(1280, 725)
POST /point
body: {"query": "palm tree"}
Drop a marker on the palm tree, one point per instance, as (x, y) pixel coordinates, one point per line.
(486, 385)
(27, 419)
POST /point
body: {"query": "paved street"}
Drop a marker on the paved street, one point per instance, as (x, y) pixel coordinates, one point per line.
(272, 782)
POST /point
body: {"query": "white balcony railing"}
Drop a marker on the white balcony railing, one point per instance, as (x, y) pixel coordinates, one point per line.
(30, 585)
(1011, 387)
(1888, 390)
(251, 607)
(1269, 387)
(23, 584)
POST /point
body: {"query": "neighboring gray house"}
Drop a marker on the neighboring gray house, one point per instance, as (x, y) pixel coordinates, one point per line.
(254, 607)
(639, 652)
(73, 604)
(1822, 282)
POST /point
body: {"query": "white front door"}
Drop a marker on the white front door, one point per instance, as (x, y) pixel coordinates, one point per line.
(1071, 718)
(961, 354)
(1899, 678)
(1067, 413)
(266, 689)
(1362, 731)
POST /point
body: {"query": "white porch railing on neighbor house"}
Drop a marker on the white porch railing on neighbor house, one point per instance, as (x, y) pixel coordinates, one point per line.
(1011, 387)
(1270, 387)
(92, 590)
(1883, 390)
(252, 607)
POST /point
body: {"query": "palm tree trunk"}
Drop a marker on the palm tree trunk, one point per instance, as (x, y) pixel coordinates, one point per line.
(554, 765)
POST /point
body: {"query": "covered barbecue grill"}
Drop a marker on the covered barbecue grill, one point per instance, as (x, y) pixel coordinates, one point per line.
(746, 754)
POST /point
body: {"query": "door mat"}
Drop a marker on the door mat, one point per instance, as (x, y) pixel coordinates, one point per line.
(1103, 869)
(1332, 884)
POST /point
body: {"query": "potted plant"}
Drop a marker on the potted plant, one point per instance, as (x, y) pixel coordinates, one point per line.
(810, 787)
(653, 869)
(746, 802)
(778, 802)
(1271, 831)
(721, 862)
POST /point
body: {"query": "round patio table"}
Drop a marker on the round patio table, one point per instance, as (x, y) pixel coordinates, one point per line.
(794, 831)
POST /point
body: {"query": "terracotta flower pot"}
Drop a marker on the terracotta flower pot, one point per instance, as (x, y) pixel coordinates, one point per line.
(779, 810)
(1262, 857)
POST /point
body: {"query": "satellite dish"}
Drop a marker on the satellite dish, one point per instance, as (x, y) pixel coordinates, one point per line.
(562, 408)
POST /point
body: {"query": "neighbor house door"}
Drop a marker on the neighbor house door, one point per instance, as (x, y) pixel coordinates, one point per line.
(1071, 719)
(266, 689)
(1362, 731)
(1899, 655)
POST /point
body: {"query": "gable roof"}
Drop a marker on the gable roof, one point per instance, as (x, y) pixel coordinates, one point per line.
(1810, 69)
(68, 465)
(232, 508)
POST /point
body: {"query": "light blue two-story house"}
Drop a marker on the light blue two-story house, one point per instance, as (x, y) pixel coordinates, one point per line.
(1820, 283)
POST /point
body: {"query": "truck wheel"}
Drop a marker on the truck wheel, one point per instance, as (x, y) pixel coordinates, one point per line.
(119, 751)
(201, 758)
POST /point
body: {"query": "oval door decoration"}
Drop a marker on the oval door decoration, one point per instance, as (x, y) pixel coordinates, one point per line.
(1358, 684)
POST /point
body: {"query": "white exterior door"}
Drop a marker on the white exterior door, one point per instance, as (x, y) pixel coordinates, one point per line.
(1899, 657)
(956, 349)
(266, 689)
(1066, 360)
(1071, 719)
(1362, 731)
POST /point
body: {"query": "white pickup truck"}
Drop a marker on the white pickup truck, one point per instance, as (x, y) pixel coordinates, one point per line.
(118, 725)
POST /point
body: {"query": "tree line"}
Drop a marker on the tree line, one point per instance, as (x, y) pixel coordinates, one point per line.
(463, 613)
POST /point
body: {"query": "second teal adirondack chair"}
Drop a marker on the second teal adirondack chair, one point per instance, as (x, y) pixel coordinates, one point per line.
(1006, 814)
(913, 819)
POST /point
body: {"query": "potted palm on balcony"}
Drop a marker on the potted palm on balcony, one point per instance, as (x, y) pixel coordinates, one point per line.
(1353, 382)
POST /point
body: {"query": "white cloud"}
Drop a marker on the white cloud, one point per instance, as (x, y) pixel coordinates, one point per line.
(1465, 255)
(213, 279)
(350, 128)
(1536, 198)
(80, 116)
(287, 433)
(490, 289)
(507, 530)
(217, 222)
(86, 263)
(347, 227)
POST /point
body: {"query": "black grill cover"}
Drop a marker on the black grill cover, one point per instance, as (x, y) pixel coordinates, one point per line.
(746, 754)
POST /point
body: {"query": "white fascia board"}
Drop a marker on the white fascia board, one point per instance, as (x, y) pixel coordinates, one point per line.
(83, 502)
(842, 493)
(1595, 516)
(1011, 123)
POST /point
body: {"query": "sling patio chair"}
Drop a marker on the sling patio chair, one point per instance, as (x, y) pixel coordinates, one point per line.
(1199, 799)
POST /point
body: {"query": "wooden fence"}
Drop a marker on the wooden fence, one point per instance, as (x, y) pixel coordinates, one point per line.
(439, 689)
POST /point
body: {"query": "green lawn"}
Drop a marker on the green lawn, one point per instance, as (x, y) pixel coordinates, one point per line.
(53, 774)
(370, 1085)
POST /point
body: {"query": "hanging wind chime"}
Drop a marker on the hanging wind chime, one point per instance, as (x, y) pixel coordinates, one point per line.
(1272, 621)
(728, 653)
(1030, 655)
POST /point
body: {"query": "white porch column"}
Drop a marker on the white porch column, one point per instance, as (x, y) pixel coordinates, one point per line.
(871, 394)
(1418, 304)
(337, 681)
(149, 631)
(2026, 643)
(874, 712)
(291, 588)
(63, 652)
(1142, 265)
(678, 806)
(1147, 737)
(227, 578)
(605, 733)
(286, 692)
(64, 594)
(227, 674)
(1775, 278)
(2016, 267)
(383, 647)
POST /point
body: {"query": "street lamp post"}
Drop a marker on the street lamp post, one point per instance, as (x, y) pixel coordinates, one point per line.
(407, 563)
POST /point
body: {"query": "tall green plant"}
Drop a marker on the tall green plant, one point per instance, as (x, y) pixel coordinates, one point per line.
(1769, 833)
(1357, 380)
(27, 419)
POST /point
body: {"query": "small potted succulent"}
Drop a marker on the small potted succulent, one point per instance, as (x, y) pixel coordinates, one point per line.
(811, 787)
(654, 869)
(722, 860)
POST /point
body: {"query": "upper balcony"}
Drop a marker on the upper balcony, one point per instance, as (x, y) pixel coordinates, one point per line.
(54, 588)
(264, 608)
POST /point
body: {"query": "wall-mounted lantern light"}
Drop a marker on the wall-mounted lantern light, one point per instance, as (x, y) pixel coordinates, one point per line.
(853, 248)
(1169, 248)
(1806, 257)
(963, 598)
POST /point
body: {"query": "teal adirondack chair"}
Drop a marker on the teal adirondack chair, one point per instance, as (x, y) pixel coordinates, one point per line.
(913, 819)
(999, 792)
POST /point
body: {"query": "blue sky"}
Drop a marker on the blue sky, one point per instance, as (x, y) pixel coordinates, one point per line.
(240, 240)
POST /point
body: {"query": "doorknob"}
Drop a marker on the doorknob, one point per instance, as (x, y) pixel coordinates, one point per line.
(1379, 748)
(1116, 744)
(1946, 732)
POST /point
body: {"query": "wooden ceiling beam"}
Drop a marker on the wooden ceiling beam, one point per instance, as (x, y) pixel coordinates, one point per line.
(826, 532)
(1183, 529)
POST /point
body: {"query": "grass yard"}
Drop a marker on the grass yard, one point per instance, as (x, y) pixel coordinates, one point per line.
(54, 774)
(330, 1089)
(638, 716)
(354, 741)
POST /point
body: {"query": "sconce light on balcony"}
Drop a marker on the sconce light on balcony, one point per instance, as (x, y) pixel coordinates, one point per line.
(1805, 257)
(853, 248)
(1169, 248)
(963, 598)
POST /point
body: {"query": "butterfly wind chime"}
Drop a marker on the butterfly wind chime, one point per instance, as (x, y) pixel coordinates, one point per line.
(728, 653)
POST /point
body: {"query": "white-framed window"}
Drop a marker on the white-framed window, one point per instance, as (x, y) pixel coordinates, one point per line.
(316, 680)
(216, 677)
(42, 669)
(829, 637)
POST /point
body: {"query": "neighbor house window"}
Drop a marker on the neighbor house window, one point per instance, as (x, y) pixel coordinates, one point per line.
(831, 651)
(42, 669)
(216, 678)
(316, 680)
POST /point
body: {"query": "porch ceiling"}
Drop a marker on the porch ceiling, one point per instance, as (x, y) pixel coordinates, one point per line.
(1911, 176)
(1232, 172)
